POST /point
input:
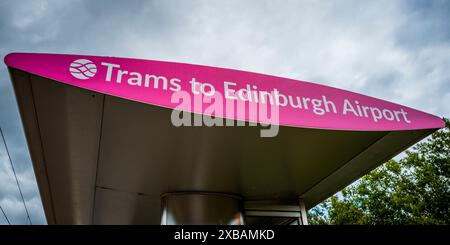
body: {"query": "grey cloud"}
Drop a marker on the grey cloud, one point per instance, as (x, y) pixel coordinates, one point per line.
(429, 25)
(10, 199)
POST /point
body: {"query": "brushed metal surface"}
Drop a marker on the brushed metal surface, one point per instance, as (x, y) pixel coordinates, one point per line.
(197, 208)
(105, 160)
(69, 122)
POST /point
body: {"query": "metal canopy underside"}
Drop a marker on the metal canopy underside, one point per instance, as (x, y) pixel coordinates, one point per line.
(100, 159)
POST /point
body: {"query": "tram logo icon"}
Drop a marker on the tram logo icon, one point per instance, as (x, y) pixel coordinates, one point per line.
(83, 69)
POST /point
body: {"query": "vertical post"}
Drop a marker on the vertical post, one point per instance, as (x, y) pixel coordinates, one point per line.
(303, 219)
(201, 208)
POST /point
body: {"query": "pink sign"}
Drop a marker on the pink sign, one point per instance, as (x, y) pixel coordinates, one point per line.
(298, 103)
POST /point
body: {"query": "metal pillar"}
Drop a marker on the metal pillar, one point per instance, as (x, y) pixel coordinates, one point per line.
(303, 219)
(201, 208)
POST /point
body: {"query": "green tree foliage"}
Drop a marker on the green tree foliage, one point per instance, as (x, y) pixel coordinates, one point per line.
(414, 190)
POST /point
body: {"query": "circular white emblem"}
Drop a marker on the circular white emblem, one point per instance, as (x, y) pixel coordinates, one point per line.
(83, 69)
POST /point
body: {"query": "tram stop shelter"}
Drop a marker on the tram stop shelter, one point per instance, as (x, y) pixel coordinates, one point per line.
(105, 149)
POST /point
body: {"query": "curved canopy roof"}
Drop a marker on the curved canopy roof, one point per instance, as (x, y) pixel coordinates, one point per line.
(104, 148)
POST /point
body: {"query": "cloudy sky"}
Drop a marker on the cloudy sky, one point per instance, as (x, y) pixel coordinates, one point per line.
(394, 50)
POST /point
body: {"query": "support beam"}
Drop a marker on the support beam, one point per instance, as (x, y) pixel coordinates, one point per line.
(201, 208)
(303, 220)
